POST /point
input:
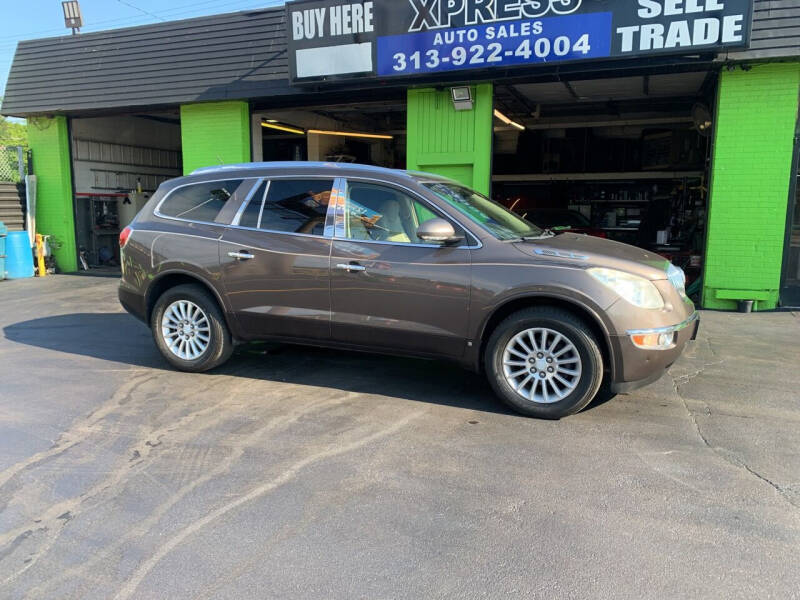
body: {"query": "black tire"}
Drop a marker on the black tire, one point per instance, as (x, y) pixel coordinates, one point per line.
(569, 326)
(220, 345)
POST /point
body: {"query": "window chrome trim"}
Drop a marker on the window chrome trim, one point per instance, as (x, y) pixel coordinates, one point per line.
(157, 211)
(406, 244)
(330, 215)
(263, 204)
(311, 235)
(246, 203)
(417, 196)
(668, 329)
(340, 211)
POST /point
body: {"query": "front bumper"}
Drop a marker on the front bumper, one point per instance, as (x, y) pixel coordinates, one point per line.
(637, 367)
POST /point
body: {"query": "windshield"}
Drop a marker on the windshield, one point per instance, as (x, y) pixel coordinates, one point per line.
(558, 218)
(493, 217)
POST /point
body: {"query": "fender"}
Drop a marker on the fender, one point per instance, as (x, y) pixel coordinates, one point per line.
(561, 295)
(193, 274)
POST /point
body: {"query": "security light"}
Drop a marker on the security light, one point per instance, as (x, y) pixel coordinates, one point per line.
(72, 15)
(462, 97)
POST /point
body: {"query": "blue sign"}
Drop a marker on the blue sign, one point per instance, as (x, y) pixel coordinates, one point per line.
(521, 42)
(340, 39)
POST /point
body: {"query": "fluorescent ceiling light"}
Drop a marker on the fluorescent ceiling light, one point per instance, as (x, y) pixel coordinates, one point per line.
(283, 128)
(373, 136)
(508, 121)
(271, 120)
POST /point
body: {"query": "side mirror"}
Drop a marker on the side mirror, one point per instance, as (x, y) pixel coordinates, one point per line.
(437, 231)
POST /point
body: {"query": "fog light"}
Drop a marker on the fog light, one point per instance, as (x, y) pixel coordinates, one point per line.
(654, 341)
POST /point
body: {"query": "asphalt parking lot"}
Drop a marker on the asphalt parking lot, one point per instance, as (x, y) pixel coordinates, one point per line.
(296, 473)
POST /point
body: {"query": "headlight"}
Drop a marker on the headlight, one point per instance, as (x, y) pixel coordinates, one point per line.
(637, 290)
(678, 278)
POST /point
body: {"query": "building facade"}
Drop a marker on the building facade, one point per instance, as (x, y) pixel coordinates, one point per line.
(671, 125)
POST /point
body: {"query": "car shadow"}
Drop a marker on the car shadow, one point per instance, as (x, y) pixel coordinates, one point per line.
(120, 338)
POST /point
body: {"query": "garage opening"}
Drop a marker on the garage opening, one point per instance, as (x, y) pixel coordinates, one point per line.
(620, 158)
(371, 133)
(118, 162)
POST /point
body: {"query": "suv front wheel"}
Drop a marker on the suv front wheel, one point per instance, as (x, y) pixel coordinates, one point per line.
(544, 362)
(189, 329)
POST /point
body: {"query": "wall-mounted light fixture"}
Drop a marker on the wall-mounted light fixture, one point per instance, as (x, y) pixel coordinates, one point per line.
(371, 136)
(508, 121)
(462, 97)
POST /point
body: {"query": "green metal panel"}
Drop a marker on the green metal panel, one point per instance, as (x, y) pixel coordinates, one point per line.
(215, 133)
(55, 216)
(452, 143)
(753, 145)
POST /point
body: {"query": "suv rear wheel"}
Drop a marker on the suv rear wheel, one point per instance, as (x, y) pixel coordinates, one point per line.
(189, 329)
(544, 362)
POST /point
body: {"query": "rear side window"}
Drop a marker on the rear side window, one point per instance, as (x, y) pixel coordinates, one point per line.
(290, 206)
(200, 201)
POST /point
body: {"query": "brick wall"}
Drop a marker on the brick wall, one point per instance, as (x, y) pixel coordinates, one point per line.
(755, 127)
(49, 142)
(215, 133)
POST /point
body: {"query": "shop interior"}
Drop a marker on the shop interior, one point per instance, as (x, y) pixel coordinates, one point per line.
(117, 163)
(370, 133)
(790, 294)
(620, 158)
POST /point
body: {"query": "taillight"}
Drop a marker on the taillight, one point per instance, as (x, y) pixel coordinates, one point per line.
(124, 235)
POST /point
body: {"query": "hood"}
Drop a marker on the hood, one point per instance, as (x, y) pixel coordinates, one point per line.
(597, 252)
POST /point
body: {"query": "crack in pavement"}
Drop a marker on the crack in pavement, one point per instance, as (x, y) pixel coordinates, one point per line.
(727, 455)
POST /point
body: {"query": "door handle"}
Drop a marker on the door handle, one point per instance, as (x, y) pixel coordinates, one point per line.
(241, 255)
(351, 268)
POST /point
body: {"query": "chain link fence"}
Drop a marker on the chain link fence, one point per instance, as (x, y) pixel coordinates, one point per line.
(13, 163)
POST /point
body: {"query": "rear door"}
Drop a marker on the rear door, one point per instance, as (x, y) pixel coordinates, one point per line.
(275, 260)
(389, 289)
(193, 218)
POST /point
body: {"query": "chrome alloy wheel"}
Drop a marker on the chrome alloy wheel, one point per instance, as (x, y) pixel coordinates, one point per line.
(542, 365)
(186, 330)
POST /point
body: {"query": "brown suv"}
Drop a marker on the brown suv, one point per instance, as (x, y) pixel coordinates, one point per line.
(373, 259)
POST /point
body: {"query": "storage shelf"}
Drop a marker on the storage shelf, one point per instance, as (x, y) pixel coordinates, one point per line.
(634, 175)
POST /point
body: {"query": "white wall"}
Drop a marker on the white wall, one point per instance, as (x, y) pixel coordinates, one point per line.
(129, 131)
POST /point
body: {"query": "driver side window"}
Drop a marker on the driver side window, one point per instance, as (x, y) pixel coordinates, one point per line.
(383, 214)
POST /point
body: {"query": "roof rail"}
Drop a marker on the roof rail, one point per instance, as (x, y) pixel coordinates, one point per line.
(290, 165)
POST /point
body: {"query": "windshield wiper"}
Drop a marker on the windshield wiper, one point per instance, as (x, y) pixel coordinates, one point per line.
(546, 234)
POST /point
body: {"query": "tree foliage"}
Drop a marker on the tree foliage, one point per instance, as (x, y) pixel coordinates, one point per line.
(12, 133)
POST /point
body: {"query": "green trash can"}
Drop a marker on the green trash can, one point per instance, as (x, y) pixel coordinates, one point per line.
(3, 233)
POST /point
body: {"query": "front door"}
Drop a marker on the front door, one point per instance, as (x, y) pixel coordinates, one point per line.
(389, 289)
(275, 261)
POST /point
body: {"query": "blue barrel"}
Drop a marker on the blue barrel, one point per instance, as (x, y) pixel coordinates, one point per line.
(19, 256)
(3, 232)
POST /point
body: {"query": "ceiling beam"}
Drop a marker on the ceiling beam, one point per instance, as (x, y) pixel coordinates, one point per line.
(571, 90)
(589, 123)
(532, 110)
